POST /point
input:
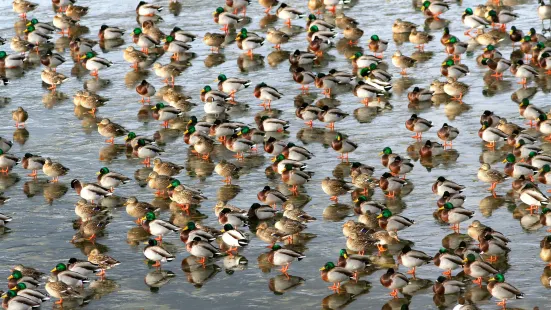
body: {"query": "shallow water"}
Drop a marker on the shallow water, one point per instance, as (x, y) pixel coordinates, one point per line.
(43, 213)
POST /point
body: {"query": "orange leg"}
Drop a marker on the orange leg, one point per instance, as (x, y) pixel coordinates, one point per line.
(335, 199)
(304, 89)
(532, 208)
(101, 273)
(239, 156)
(92, 238)
(52, 88)
(503, 304)
(493, 187)
(206, 157)
(33, 175)
(343, 157)
(390, 195)
(147, 162)
(418, 136)
(331, 126)
(381, 248)
(288, 23)
(157, 264)
(309, 124)
(403, 72)
(333, 9)
(165, 124)
(202, 261)
(277, 47)
(93, 112)
(478, 281)
(267, 11)
(94, 73)
(394, 293)
(227, 180)
(59, 302)
(110, 140)
(294, 190)
(185, 208)
(447, 273)
(523, 82)
(492, 259)
(352, 43)
(491, 145)
(159, 239)
(412, 272)
(460, 98)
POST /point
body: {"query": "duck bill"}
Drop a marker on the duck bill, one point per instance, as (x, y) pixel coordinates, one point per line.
(169, 186)
(10, 277)
(322, 268)
(441, 208)
(504, 161)
(379, 216)
(274, 160)
(381, 153)
(98, 173)
(491, 279)
(53, 270)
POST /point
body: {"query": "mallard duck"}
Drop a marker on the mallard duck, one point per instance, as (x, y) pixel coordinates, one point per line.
(267, 94)
(19, 45)
(418, 125)
(109, 129)
(166, 113)
(253, 134)
(532, 196)
(326, 82)
(280, 162)
(175, 47)
(539, 161)
(503, 17)
(523, 71)
(402, 62)
(515, 170)
(248, 42)
(89, 100)
(221, 17)
(390, 222)
(81, 46)
(343, 146)
(157, 227)
(279, 256)
(447, 134)
(295, 213)
(146, 151)
(44, 28)
(110, 179)
(274, 146)
(89, 191)
(88, 211)
(148, 9)
(402, 26)
(392, 185)
(413, 258)
(95, 63)
(377, 46)
(134, 57)
(400, 166)
(191, 231)
(353, 34)
(434, 9)
(529, 111)
(277, 37)
(145, 90)
(394, 281)
(233, 238)
(231, 85)
(236, 218)
(367, 92)
(214, 40)
(491, 135)
(22, 7)
(143, 40)
(443, 185)
(331, 116)
(271, 124)
(17, 277)
(420, 95)
(295, 152)
(454, 215)
(454, 47)
(52, 60)
(51, 77)
(76, 12)
(156, 253)
(342, 77)
(473, 21)
(353, 262)
(72, 278)
(303, 77)
(322, 24)
(493, 247)
(151, 29)
(498, 66)
(60, 290)
(447, 261)
(168, 71)
(420, 38)
(270, 234)
(443, 286)
(332, 274)
(361, 61)
(54, 169)
(453, 71)
(104, 261)
(83, 267)
(110, 33)
(544, 10)
(290, 227)
(271, 196)
(20, 116)
(301, 58)
(523, 150)
(36, 37)
(545, 246)
(288, 13)
(24, 292)
(503, 290)
(63, 22)
(295, 178)
(226, 170)
(185, 197)
(28, 271)
(202, 249)
(488, 175)
(158, 182)
(138, 209)
(335, 188)
(5, 145)
(431, 149)
(260, 212)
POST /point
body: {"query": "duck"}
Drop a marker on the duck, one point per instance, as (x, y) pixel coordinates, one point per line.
(326, 82)
(453, 46)
(443, 185)
(453, 71)
(523, 71)
(454, 215)
(473, 21)
(498, 67)
(390, 222)
(214, 40)
(145, 90)
(493, 247)
(166, 113)
(295, 178)
(260, 212)
(4, 219)
(233, 238)
(361, 61)
(443, 286)
(503, 17)
(45, 28)
(221, 17)
(342, 77)
(267, 94)
(109, 179)
(69, 277)
(529, 111)
(447, 261)
(420, 38)
(353, 262)
(477, 269)
(413, 258)
(63, 22)
(227, 170)
(231, 85)
(88, 211)
(270, 234)
(185, 197)
(402, 26)
(191, 231)
(157, 227)
(22, 7)
(110, 129)
(248, 42)
(168, 71)
(523, 150)
(420, 95)
(36, 37)
(377, 46)
(303, 77)
(138, 209)
(531, 195)
(353, 34)
(146, 151)
(95, 63)
(20, 116)
(135, 57)
(362, 181)
(343, 146)
(333, 274)
(175, 47)
(289, 227)
(434, 9)
(90, 191)
(202, 249)
(104, 261)
(110, 33)
(271, 196)
(54, 169)
(492, 135)
(147, 9)
(368, 91)
(235, 218)
(488, 175)
(279, 256)
(52, 60)
(323, 25)
(516, 170)
(277, 37)
(430, 149)
(154, 252)
(502, 290)
(295, 213)
(402, 62)
(418, 125)
(392, 185)
(33, 162)
(144, 41)
(280, 162)
(33, 295)
(302, 58)
(295, 152)
(335, 188)
(447, 134)
(394, 281)
(272, 124)
(288, 13)
(51, 77)
(544, 10)
(60, 290)
(456, 90)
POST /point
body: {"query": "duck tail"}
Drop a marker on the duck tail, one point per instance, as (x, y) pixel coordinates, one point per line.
(243, 242)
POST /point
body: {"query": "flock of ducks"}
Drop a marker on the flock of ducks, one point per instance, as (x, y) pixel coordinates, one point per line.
(279, 218)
